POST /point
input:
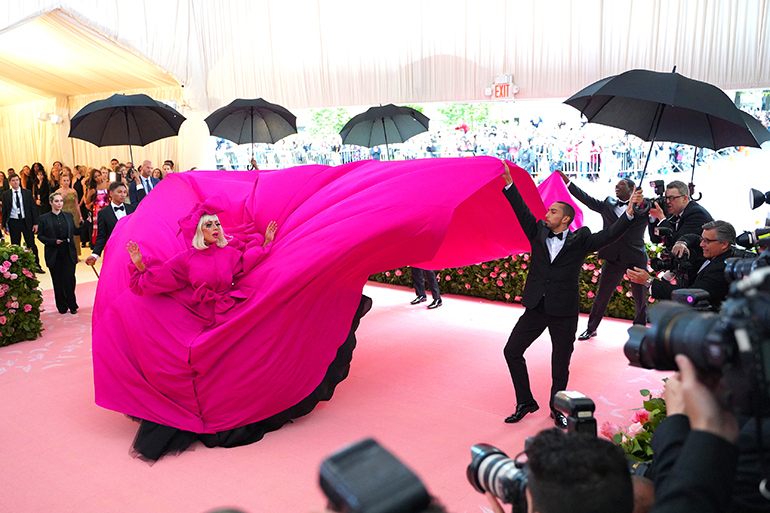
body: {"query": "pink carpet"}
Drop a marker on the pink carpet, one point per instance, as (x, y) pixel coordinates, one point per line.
(426, 384)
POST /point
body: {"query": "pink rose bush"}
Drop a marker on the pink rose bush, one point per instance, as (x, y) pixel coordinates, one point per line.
(22, 298)
(635, 439)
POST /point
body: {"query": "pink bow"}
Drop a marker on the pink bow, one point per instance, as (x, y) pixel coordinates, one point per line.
(189, 223)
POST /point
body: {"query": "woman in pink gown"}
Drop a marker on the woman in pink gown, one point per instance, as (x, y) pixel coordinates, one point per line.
(236, 349)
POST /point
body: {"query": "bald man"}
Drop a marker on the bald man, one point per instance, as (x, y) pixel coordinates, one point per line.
(143, 183)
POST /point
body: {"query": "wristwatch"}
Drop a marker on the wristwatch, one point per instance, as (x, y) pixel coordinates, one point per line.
(648, 282)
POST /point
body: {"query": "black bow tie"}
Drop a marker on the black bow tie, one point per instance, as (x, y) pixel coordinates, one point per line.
(557, 235)
(624, 203)
(118, 208)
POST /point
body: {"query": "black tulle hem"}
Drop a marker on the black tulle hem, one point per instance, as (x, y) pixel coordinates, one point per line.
(154, 440)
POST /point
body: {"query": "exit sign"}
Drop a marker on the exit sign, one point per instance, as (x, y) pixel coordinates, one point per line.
(500, 91)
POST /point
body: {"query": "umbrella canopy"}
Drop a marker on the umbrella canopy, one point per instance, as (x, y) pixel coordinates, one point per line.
(665, 107)
(122, 119)
(757, 128)
(384, 125)
(252, 121)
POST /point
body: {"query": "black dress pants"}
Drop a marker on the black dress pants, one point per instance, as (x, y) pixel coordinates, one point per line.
(17, 228)
(419, 276)
(529, 327)
(63, 278)
(612, 273)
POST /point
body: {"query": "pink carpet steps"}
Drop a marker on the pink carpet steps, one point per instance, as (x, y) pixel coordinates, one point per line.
(427, 384)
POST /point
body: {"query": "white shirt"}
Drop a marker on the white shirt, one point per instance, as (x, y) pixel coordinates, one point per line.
(555, 244)
(120, 214)
(16, 210)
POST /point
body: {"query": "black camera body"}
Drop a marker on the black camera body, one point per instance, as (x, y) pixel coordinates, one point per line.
(660, 198)
(506, 478)
(733, 345)
(668, 261)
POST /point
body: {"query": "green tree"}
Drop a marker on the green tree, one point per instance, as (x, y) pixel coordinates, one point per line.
(472, 114)
(325, 122)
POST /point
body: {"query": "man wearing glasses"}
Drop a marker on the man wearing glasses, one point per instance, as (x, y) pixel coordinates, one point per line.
(684, 216)
(716, 242)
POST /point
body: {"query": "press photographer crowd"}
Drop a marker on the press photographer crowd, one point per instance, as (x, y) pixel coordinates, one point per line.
(712, 329)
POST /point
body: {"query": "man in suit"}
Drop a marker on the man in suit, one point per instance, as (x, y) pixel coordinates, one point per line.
(716, 243)
(108, 217)
(419, 277)
(626, 253)
(20, 216)
(57, 233)
(684, 215)
(551, 295)
(143, 183)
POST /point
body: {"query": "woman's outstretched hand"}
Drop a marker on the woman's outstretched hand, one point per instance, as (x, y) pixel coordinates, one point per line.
(136, 254)
(270, 232)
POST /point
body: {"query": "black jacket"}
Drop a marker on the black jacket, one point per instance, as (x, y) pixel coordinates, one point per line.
(692, 219)
(105, 223)
(28, 203)
(558, 280)
(711, 279)
(47, 235)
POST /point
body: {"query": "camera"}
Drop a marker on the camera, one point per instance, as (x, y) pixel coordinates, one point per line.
(366, 478)
(732, 346)
(506, 478)
(668, 261)
(660, 190)
(753, 239)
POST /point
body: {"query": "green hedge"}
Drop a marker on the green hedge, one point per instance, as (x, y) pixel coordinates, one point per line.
(503, 280)
(20, 296)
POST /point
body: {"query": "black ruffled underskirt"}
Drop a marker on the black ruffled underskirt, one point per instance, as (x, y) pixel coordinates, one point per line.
(153, 440)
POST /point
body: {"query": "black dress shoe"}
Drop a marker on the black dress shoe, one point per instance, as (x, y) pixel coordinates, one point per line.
(521, 411)
(587, 334)
(40, 271)
(419, 299)
(559, 420)
(73, 311)
(435, 304)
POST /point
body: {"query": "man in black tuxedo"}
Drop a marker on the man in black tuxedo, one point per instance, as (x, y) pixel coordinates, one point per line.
(716, 243)
(626, 253)
(20, 216)
(143, 183)
(108, 217)
(57, 233)
(551, 295)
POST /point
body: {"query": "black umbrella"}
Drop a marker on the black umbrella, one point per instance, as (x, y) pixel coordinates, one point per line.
(665, 107)
(383, 125)
(122, 119)
(252, 121)
(757, 128)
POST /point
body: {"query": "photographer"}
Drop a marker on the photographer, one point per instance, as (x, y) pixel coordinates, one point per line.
(685, 216)
(695, 455)
(716, 243)
(575, 472)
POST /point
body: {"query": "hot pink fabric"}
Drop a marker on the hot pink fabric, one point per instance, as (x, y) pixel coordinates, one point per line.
(157, 358)
(552, 189)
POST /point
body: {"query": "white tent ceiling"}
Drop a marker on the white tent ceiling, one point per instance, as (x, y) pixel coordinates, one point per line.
(322, 53)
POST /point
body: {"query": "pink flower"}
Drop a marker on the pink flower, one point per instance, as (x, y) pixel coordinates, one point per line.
(650, 299)
(635, 429)
(387, 273)
(641, 416)
(628, 294)
(7, 275)
(608, 429)
(673, 281)
(499, 283)
(485, 280)
(2, 292)
(596, 273)
(585, 267)
(8, 304)
(448, 277)
(15, 304)
(517, 298)
(6, 265)
(14, 276)
(506, 264)
(591, 267)
(497, 269)
(459, 271)
(493, 275)
(514, 258)
(523, 266)
(468, 286)
(625, 277)
(507, 296)
(14, 258)
(504, 275)
(12, 311)
(594, 279)
(3, 320)
(27, 308)
(526, 256)
(590, 294)
(619, 288)
(398, 272)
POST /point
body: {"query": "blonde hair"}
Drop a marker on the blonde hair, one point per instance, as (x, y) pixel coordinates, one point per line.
(198, 242)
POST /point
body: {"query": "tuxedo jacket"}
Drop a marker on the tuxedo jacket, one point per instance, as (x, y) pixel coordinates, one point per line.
(47, 235)
(28, 204)
(105, 223)
(711, 279)
(691, 220)
(630, 248)
(557, 281)
(137, 195)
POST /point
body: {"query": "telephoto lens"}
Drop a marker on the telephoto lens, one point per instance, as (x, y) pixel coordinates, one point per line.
(491, 470)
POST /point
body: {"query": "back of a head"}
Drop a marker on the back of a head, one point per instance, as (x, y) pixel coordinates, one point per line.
(578, 473)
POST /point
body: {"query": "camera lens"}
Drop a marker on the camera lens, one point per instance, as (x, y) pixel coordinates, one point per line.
(493, 471)
(675, 329)
(738, 268)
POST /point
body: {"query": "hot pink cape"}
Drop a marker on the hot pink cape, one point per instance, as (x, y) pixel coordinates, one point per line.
(336, 226)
